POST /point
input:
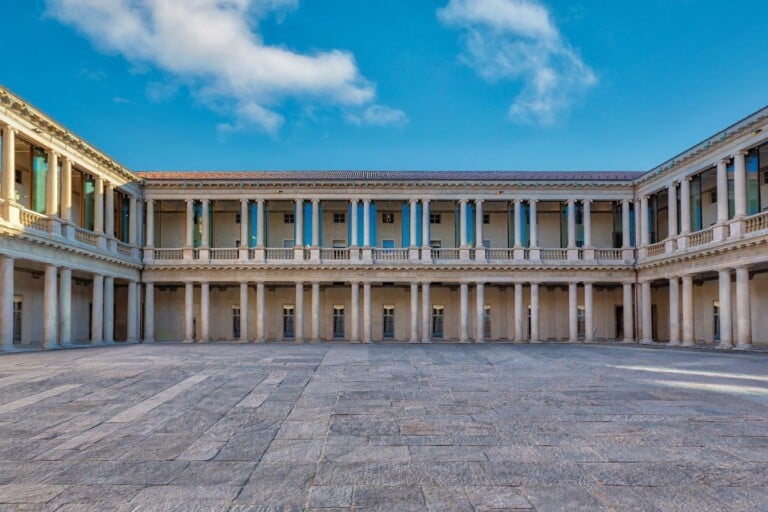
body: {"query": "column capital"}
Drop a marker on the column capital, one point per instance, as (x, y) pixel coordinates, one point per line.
(626, 201)
(244, 201)
(315, 200)
(463, 201)
(673, 184)
(189, 201)
(516, 201)
(587, 201)
(7, 127)
(367, 201)
(413, 201)
(479, 201)
(570, 201)
(533, 201)
(425, 201)
(724, 161)
(741, 152)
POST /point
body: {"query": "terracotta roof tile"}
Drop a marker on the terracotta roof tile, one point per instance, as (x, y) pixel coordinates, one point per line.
(341, 176)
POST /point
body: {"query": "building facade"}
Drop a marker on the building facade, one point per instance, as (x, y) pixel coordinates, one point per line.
(91, 252)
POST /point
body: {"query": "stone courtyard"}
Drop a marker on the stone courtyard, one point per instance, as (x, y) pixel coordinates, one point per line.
(383, 427)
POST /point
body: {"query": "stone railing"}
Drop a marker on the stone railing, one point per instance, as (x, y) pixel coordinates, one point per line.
(334, 254)
(500, 254)
(554, 254)
(224, 254)
(446, 254)
(278, 254)
(609, 254)
(34, 220)
(390, 254)
(656, 249)
(758, 222)
(86, 237)
(700, 237)
(124, 249)
(168, 254)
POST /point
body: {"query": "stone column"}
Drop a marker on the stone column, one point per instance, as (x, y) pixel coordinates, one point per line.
(244, 312)
(571, 224)
(480, 313)
(52, 190)
(66, 196)
(739, 193)
(205, 235)
(533, 252)
(133, 317)
(9, 167)
(315, 313)
(6, 299)
(189, 312)
(479, 235)
(260, 316)
(414, 313)
(316, 223)
(721, 230)
(535, 336)
(426, 249)
(463, 224)
(629, 324)
(353, 241)
(50, 307)
(190, 237)
(426, 314)
(674, 311)
(149, 312)
(743, 310)
(644, 228)
(109, 309)
(65, 307)
(413, 224)
(109, 209)
(518, 312)
(299, 326)
(97, 310)
(688, 333)
(299, 223)
(205, 313)
(726, 323)
(260, 224)
(367, 334)
(354, 310)
(517, 219)
(587, 216)
(463, 313)
(150, 234)
(366, 223)
(573, 313)
(245, 235)
(645, 292)
(625, 225)
(98, 208)
(589, 313)
(671, 242)
(133, 234)
(685, 212)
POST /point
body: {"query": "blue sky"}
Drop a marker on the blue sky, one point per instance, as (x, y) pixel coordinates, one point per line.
(426, 84)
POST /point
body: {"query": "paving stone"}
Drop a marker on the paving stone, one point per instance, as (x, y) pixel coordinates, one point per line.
(330, 496)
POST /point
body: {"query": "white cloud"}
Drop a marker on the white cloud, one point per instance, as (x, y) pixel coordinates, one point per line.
(379, 115)
(214, 47)
(517, 40)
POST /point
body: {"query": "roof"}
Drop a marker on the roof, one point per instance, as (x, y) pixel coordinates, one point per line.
(341, 176)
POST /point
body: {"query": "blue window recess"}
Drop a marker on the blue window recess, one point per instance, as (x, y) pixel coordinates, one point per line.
(253, 225)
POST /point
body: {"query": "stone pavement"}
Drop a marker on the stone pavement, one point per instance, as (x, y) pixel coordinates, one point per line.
(383, 427)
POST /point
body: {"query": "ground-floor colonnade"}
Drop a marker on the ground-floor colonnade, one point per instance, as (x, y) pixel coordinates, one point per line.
(47, 305)
(365, 311)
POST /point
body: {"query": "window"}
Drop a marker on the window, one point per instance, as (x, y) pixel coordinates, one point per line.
(487, 322)
(338, 321)
(289, 315)
(237, 243)
(716, 319)
(17, 306)
(288, 244)
(387, 218)
(438, 318)
(288, 218)
(581, 322)
(388, 244)
(19, 178)
(435, 244)
(487, 244)
(236, 321)
(339, 218)
(389, 321)
(486, 218)
(435, 218)
(238, 220)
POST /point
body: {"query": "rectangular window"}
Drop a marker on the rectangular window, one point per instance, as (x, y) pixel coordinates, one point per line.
(486, 218)
(387, 218)
(17, 307)
(238, 219)
(388, 244)
(236, 321)
(288, 244)
(438, 321)
(339, 218)
(716, 319)
(581, 322)
(436, 244)
(19, 177)
(289, 315)
(435, 218)
(487, 322)
(487, 244)
(288, 218)
(388, 321)
(338, 321)
(339, 244)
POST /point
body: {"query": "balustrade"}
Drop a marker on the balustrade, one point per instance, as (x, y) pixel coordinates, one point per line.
(554, 254)
(278, 254)
(34, 220)
(656, 249)
(756, 223)
(224, 254)
(608, 254)
(334, 254)
(86, 237)
(500, 254)
(168, 254)
(445, 254)
(390, 254)
(700, 237)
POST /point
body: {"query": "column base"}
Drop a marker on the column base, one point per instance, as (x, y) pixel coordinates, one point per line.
(688, 344)
(534, 254)
(744, 346)
(682, 242)
(518, 253)
(314, 255)
(426, 341)
(589, 254)
(204, 255)
(724, 346)
(736, 228)
(243, 254)
(647, 342)
(627, 341)
(480, 254)
(535, 342)
(413, 254)
(413, 340)
(260, 255)
(464, 254)
(670, 246)
(367, 255)
(573, 254)
(627, 254)
(674, 344)
(426, 254)
(720, 232)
